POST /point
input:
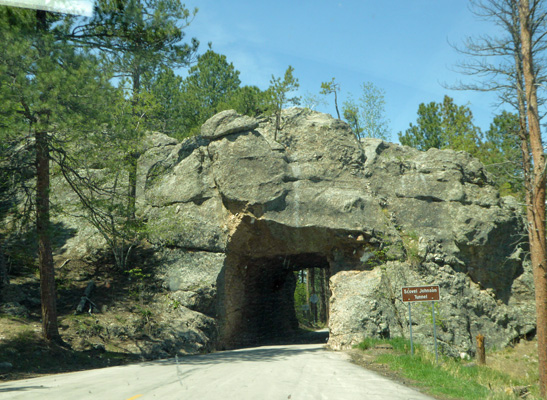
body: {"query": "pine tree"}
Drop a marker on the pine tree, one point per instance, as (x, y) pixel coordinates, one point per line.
(279, 91)
(443, 126)
(210, 83)
(500, 152)
(49, 89)
(136, 38)
(331, 87)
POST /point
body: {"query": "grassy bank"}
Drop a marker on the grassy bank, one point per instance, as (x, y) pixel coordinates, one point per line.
(508, 374)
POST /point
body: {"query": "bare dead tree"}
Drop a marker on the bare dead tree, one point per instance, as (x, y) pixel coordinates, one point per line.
(530, 15)
(495, 63)
(512, 66)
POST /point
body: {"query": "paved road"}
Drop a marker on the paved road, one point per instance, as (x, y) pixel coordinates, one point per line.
(293, 372)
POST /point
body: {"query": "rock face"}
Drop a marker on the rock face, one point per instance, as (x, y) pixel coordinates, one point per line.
(234, 213)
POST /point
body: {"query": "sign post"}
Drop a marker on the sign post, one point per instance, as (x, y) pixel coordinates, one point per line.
(410, 328)
(434, 331)
(413, 294)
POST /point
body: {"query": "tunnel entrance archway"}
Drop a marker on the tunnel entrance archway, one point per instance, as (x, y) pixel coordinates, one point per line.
(262, 302)
(257, 286)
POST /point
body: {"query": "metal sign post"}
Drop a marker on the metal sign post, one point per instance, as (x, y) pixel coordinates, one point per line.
(421, 293)
(434, 330)
(410, 328)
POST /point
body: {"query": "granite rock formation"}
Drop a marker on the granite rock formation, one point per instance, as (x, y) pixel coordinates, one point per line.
(233, 213)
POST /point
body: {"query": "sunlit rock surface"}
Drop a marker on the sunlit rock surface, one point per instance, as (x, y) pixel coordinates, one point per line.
(233, 213)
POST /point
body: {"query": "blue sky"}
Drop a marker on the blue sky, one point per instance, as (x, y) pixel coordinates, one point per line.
(402, 46)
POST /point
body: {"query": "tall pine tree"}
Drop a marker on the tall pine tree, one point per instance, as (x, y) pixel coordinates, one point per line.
(49, 89)
(443, 126)
(136, 38)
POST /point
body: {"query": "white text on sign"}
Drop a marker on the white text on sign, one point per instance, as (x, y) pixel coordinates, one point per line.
(421, 293)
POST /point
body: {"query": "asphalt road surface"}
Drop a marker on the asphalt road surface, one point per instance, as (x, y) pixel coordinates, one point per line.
(293, 372)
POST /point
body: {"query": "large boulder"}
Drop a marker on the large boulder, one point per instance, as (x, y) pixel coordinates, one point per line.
(368, 304)
(233, 213)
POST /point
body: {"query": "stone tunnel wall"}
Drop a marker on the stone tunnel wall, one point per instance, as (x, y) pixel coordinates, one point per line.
(256, 291)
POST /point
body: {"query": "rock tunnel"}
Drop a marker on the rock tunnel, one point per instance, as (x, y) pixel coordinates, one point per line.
(257, 285)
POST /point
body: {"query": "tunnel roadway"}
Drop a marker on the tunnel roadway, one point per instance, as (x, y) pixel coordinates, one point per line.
(293, 372)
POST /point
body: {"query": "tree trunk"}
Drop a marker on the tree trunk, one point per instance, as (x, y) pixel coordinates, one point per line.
(324, 298)
(308, 286)
(535, 213)
(336, 103)
(277, 123)
(133, 155)
(313, 305)
(4, 279)
(48, 294)
(132, 190)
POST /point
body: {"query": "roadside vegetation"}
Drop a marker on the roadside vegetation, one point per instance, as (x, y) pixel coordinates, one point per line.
(108, 335)
(311, 298)
(30, 355)
(511, 373)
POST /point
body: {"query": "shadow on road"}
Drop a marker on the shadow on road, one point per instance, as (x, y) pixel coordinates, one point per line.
(20, 388)
(262, 354)
(301, 337)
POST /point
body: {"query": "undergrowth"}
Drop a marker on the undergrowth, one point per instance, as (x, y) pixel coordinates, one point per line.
(450, 378)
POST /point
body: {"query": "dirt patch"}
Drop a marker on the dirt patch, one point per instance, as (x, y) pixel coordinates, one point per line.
(30, 356)
(516, 360)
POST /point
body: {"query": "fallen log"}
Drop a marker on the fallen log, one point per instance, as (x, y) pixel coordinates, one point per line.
(85, 298)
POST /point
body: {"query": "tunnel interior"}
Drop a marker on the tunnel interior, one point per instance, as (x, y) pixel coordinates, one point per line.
(262, 300)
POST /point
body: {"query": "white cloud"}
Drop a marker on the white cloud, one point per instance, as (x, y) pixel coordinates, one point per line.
(255, 67)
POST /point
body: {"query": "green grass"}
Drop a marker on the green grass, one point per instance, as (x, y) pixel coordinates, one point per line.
(437, 380)
(399, 344)
(449, 378)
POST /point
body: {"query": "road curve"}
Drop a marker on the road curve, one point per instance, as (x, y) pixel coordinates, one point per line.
(293, 372)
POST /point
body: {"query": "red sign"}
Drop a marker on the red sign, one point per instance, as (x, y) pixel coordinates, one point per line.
(421, 293)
